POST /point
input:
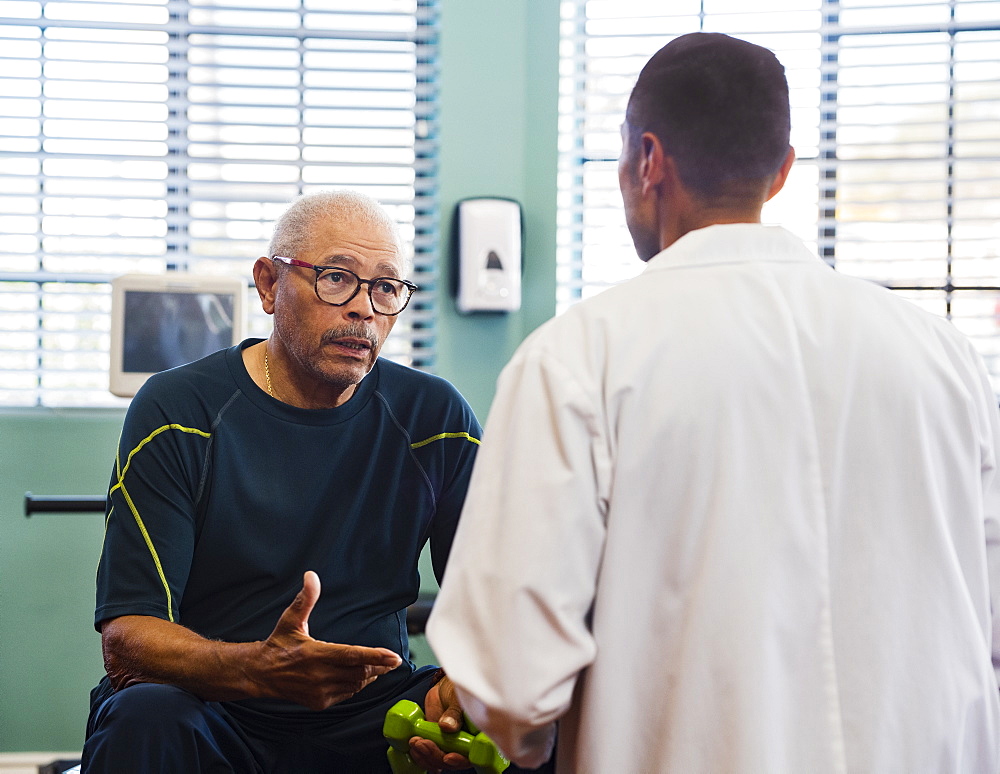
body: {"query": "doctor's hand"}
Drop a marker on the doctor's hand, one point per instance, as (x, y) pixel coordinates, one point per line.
(441, 706)
(293, 666)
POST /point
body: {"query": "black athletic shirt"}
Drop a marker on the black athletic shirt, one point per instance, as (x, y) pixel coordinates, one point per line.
(221, 497)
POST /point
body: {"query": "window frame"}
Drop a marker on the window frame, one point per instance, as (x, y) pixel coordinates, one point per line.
(581, 201)
(418, 212)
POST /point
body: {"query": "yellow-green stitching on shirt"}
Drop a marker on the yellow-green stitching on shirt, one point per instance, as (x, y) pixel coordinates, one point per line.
(440, 436)
(152, 551)
(149, 438)
(135, 512)
(118, 476)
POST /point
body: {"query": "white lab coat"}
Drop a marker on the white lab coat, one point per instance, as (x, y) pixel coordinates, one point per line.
(734, 515)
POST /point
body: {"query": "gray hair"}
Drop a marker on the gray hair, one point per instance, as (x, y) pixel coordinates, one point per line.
(293, 230)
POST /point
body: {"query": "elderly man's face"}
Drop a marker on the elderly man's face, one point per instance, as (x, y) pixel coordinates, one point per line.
(336, 345)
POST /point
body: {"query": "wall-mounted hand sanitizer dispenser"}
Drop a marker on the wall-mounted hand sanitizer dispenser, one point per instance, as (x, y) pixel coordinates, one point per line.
(488, 255)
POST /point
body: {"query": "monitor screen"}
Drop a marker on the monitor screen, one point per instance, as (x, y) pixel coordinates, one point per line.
(162, 321)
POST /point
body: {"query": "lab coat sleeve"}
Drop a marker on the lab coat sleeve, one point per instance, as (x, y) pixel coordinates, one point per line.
(510, 625)
(991, 509)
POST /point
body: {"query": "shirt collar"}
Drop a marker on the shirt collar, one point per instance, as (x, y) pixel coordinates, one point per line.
(733, 243)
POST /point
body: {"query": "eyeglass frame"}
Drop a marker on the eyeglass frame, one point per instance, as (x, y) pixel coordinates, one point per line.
(370, 282)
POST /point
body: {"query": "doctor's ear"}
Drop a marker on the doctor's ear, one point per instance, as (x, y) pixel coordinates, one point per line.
(782, 175)
(652, 161)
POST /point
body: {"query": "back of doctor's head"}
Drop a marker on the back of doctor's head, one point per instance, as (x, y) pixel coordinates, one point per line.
(719, 106)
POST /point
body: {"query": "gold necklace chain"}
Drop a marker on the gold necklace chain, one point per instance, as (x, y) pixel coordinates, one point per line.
(267, 373)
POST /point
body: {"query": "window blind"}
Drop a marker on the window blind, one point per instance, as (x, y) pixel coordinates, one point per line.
(895, 122)
(158, 135)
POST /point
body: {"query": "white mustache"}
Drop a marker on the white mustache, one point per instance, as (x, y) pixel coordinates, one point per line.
(350, 331)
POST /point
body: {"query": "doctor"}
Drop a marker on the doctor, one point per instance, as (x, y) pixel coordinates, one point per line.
(738, 514)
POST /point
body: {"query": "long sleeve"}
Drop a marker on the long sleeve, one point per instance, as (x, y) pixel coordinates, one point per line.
(991, 508)
(525, 558)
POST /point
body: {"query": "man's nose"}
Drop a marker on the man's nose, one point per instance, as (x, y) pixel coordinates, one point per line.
(360, 307)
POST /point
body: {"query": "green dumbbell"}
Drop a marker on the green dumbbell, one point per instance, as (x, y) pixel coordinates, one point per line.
(406, 720)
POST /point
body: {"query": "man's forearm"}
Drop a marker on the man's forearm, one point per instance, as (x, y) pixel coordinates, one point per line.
(288, 665)
(145, 649)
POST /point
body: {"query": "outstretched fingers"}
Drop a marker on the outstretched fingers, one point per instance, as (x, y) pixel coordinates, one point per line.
(316, 674)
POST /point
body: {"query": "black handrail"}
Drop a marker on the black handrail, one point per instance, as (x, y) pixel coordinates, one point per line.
(62, 504)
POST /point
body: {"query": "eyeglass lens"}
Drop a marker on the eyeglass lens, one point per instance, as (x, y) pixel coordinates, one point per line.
(337, 286)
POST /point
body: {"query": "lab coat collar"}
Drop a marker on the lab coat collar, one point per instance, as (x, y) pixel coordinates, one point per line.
(732, 243)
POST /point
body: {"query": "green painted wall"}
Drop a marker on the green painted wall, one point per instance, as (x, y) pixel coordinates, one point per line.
(50, 655)
(498, 138)
(499, 77)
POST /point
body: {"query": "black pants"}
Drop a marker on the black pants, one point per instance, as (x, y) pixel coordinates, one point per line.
(162, 729)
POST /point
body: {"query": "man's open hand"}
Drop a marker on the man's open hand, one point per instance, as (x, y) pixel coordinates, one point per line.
(294, 666)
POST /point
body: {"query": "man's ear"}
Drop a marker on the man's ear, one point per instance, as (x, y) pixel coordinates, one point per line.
(651, 161)
(265, 278)
(779, 179)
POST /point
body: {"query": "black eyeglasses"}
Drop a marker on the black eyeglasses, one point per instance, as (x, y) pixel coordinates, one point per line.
(336, 286)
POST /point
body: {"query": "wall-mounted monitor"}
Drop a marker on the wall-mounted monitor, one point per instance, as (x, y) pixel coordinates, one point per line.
(159, 321)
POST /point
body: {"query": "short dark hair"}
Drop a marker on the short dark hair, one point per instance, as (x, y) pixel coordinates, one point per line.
(719, 106)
